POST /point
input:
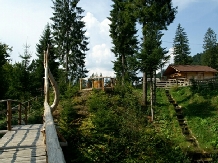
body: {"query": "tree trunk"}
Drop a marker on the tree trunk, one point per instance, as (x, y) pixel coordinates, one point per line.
(144, 99)
(154, 87)
(66, 68)
(123, 72)
(151, 95)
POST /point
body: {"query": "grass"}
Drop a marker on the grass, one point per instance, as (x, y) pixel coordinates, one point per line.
(200, 109)
(116, 129)
(165, 115)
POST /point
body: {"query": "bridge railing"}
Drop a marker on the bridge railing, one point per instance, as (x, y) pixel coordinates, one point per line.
(22, 108)
(54, 151)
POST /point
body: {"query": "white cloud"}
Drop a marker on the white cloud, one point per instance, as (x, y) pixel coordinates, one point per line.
(171, 60)
(99, 57)
(182, 4)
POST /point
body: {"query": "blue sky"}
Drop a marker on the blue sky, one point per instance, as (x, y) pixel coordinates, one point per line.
(23, 22)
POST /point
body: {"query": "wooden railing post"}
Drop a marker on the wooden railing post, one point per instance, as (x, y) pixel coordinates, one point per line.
(19, 114)
(25, 120)
(80, 84)
(102, 84)
(9, 115)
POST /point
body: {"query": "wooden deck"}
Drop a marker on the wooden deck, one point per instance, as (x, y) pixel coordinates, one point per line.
(23, 144)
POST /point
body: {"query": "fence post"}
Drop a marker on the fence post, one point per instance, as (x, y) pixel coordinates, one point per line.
(19, 114)
(102, 83)
(25, 115)
(80, 84)
(9, 115)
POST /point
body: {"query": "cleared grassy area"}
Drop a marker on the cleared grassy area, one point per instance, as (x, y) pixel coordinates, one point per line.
(201, 112)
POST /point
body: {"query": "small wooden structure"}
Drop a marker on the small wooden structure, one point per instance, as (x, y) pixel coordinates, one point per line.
(97, 83)
(189, 72)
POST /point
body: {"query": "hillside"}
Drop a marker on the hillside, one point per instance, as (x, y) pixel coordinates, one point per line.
(200, 111)
(113, 127)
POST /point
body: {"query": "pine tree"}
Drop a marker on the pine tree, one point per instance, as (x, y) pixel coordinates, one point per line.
(197, 59)
(4, 58)
(150, 59)
(22, 74)
(154, 15)
(210, 54)
(69, 38)
(181, 47)
(123, 34)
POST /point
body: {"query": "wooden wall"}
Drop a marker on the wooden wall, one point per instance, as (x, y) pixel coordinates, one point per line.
(191, 75)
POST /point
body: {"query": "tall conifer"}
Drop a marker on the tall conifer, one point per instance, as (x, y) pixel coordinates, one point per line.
(210, 54)
(123, 34)
(69, 37)
(153, 15)
(181, 47)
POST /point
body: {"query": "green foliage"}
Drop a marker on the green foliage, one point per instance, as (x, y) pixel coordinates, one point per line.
(69, 38)
(37, 65)
(123, 33)
(68, 114)
(197, 59)
(116, 129)
(36, 113)
(154, 16)
(181, 47)
(200, 109)
(4, 57)
(210, 49)
(71, 91)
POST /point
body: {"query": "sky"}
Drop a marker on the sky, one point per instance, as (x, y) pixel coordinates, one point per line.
(24, 21)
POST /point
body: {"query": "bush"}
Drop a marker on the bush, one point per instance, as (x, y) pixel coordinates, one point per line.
(36, 114)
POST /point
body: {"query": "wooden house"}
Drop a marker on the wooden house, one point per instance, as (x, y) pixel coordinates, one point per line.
(189, 72)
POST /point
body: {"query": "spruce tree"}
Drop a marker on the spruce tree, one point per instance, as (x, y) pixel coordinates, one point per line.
(69, 37)
(22, 74)
(210, 54)
(123, 34)
(4, 58)
(181, 47)
(153, 15)
(197, 59)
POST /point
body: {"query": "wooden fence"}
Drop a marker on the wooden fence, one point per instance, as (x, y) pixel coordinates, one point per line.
(211, 83)
(22, 108)
(167, 84)
(97, 83)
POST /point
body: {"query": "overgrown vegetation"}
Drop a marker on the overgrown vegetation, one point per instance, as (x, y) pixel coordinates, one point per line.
(113, 127)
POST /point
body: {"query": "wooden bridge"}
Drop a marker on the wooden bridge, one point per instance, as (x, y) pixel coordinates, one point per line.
(32, 143)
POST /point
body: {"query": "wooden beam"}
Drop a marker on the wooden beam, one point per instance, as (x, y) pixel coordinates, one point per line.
(54, 151)
(9, 115)
(19, 114)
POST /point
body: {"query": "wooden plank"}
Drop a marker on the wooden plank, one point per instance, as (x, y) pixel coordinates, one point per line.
(54, 151)
(24, 144)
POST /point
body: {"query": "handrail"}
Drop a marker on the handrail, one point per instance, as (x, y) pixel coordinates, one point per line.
(19, 108)
(54, 151)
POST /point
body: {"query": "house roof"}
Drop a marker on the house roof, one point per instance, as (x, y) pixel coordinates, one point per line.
(188, 68)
